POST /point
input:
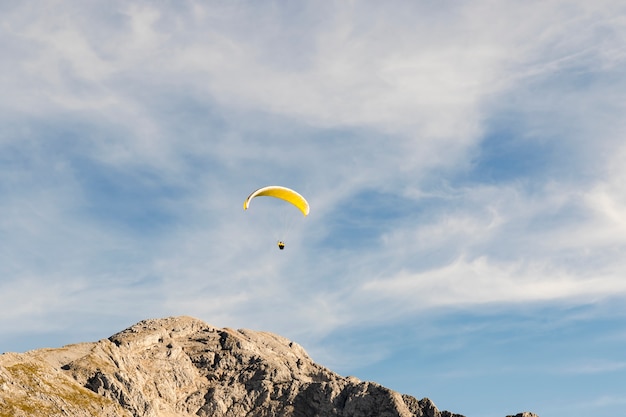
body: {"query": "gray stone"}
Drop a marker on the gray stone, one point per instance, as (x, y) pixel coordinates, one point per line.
(183, 367)
(525, 414)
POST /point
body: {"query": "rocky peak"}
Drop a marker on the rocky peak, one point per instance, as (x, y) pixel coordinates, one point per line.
(181, 366)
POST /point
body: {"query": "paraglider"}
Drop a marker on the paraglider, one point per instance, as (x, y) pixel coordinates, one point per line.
(282, 193)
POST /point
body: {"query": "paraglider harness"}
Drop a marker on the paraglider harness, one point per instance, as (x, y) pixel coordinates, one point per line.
(281, 245)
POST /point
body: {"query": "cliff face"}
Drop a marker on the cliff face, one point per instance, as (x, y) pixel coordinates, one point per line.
(183, 367)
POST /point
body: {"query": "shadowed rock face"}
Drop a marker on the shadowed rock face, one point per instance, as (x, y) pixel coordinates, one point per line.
(181, 366)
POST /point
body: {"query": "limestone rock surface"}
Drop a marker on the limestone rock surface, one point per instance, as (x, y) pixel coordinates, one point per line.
(181, 366)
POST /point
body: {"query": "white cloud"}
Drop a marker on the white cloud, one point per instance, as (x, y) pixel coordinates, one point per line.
(479, 281)
(594, 367)
(358, 65)
(608, 196)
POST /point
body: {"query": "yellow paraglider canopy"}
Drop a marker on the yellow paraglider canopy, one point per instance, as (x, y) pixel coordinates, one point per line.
(282, 193)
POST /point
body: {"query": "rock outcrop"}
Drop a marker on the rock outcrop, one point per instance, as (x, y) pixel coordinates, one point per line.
(525, 414)
(181, 366)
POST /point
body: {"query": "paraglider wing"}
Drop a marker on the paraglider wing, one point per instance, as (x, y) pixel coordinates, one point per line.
(282, 193)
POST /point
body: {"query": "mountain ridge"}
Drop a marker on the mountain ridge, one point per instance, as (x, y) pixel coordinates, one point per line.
(182, 366)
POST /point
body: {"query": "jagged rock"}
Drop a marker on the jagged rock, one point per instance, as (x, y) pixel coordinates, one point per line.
(525, 414)
(181, 366)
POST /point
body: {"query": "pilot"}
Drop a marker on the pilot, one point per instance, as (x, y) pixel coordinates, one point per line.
(281, 245)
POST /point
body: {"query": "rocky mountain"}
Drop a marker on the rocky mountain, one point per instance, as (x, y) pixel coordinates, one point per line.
(181, 366)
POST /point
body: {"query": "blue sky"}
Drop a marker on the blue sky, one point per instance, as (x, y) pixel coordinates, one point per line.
(464, 161)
